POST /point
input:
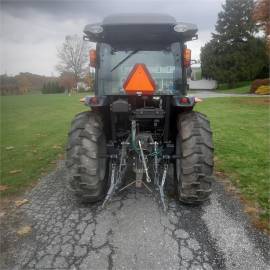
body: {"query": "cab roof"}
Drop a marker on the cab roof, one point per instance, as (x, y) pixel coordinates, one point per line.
(124, 29)
(120, 19)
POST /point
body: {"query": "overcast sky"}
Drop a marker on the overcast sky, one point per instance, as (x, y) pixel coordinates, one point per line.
(31, 31)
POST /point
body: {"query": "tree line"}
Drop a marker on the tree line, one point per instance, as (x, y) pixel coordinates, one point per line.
(238, 51)
(52, 87)
(24, 83)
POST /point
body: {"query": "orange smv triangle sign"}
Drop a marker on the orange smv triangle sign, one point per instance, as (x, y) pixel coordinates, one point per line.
(139, 80)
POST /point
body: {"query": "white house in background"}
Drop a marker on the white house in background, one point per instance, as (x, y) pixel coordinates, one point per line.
(196, 82)
(196, 71)
(82, 85)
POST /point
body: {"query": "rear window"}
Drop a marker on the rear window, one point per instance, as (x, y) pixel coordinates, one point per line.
(115, 66)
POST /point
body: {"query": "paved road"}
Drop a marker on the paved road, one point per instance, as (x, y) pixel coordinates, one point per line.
(131, 233)
(213, 94)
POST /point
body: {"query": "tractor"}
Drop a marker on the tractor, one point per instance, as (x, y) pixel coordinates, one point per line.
(140, 120)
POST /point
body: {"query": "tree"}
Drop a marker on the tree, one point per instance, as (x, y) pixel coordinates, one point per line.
(52, 87)
(262, 19)
(73, 57)
(23, 83)
(233, 63)
(261, 15)
(8, 85)
(234, 53)
(89, 80)
(67, 80)
(235, 22)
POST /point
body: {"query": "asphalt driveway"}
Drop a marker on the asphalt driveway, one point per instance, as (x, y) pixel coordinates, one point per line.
(131, 233)
(214, 94)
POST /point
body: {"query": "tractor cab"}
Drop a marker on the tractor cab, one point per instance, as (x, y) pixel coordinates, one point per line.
(155, 42)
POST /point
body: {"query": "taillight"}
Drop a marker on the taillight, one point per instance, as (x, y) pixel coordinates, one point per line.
(184, 100)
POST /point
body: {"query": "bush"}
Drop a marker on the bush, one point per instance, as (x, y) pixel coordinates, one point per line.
(263, 90)
(257, 83)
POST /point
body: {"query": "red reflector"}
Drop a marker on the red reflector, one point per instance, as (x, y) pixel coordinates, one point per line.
(184, 100)
(139, 80)
(93, 100)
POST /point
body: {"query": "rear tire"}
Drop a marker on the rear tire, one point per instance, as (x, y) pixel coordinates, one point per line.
(86, 157)
(194, 168)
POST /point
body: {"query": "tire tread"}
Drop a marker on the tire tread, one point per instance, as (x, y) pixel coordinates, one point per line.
(196, 166)
(82, 158)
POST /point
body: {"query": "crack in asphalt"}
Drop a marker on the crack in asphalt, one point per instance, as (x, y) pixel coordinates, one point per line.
(132, 232)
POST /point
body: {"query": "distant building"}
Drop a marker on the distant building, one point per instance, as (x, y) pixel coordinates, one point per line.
(82, 86)
(163, 76)
(196, 72)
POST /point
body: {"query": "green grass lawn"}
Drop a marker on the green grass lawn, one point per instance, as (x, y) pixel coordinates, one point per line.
(33, 135)
(225, 86)
(241, 128)
(34, 129)
(238, 90)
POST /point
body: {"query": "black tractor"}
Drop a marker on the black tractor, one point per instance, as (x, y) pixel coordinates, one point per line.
(141, 118)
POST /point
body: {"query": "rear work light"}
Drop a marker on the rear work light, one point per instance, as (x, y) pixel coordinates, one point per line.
(180, 28)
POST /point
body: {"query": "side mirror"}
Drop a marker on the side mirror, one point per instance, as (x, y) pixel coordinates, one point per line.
(93, 58)
(186, 57)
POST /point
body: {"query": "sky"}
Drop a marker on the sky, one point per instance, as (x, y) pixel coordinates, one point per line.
(32, 30)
